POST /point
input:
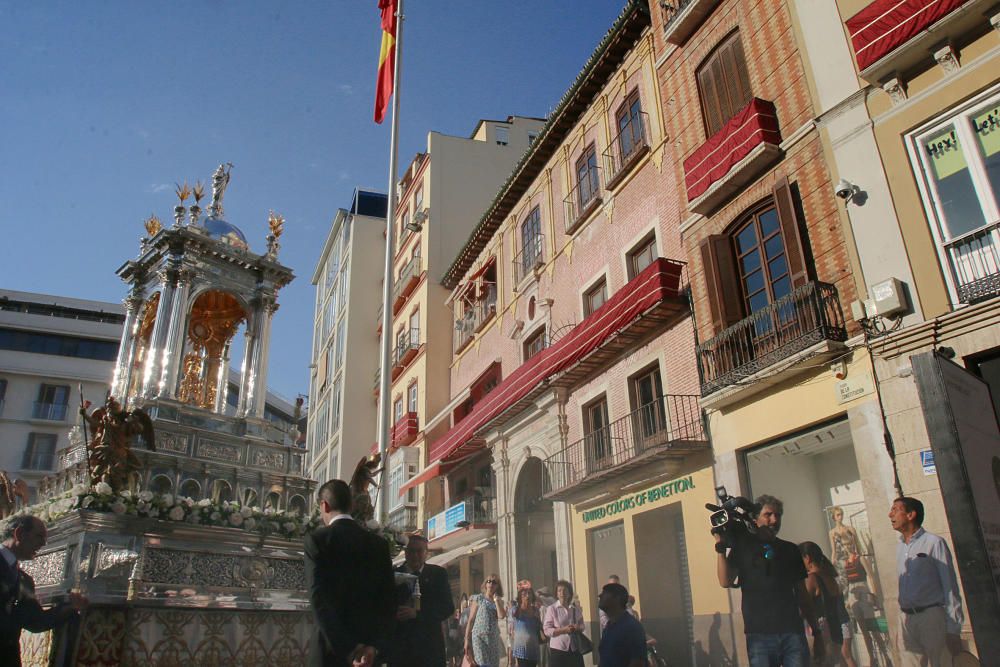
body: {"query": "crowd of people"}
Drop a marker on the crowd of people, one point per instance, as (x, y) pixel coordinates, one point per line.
(367, 612)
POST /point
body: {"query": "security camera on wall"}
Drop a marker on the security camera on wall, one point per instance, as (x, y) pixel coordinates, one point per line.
(846, 190)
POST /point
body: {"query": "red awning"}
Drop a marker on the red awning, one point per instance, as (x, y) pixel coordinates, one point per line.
(659, 281)
(757, 123)
(886, 24)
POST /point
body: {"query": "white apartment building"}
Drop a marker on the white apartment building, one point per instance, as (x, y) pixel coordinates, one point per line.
(342, 413)
(49, 347)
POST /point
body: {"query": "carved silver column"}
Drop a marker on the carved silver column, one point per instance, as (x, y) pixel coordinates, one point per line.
(174, 348)
(126, 352)
(158, 340)
(222, 381)
(253, 391)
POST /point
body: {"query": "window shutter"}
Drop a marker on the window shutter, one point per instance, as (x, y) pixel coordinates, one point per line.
(791, 232)
(724, 295)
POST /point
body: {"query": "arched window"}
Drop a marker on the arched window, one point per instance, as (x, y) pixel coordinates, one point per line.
(191, 489)
(249, 498)
(273, 501)
(161, 484)
(297, 504)
(222, 491)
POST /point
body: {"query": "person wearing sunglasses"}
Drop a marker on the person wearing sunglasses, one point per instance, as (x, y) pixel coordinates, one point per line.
(772, 576)
(483, 644)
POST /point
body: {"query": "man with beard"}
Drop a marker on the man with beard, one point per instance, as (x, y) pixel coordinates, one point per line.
(772, 577)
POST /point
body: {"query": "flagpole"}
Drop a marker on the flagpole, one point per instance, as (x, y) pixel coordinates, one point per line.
(385, 370)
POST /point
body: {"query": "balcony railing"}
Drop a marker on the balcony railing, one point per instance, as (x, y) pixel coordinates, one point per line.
(470, 511)
(403, 519)
(582, 199)
(682, 17)
(49, 411)
(655, 428)
(975, 261)
(406, 348)
(476, 314)
(630, 144)
(405, 430)
(808, 315)
(407, 281)
(530, 257)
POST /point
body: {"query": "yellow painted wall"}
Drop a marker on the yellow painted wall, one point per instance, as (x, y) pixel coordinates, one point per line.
(707, 596)
(799, 402)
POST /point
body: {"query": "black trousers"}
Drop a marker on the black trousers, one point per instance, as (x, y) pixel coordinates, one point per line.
(559, 658)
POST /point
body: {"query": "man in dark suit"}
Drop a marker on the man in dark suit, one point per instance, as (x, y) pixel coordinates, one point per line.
(419, 637)
(350, 581)
(20, 540)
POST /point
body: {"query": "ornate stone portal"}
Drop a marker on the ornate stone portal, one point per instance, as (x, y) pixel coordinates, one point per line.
(176, 592)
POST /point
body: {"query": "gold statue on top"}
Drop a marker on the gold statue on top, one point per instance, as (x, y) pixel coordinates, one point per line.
(276, 222)
(183, 191)
(153, 225)
(198, 191)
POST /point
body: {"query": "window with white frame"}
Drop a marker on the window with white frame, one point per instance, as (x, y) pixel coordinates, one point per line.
(40, 452)
(959, 161)
(395, 484)
(411, 397)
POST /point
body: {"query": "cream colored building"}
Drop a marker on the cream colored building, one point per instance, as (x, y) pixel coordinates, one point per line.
(912, 118)
(345, 355)
(441, 194)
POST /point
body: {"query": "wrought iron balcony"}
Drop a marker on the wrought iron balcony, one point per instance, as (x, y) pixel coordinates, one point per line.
(582, 199)
(474, 510)
(475, 315)
(49, 411)
(630, 144)
(403, 519)
(975, 263)
(668, 426)
(808, 315)
(406, 348)
(408, 279)
(530, 257)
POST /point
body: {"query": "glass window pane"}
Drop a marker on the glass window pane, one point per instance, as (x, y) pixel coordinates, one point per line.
(746, 239)
(781, 287)
(986, 126)
(777, 267)
(754, 282)
(956, 193)
(774, 247)
(768, 222)
(750, 262)
(757, 301)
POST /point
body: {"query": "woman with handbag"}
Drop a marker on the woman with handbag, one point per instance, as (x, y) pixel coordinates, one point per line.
(564, 628)
(483, 645)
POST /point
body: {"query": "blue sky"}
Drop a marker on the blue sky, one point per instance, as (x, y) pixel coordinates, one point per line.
(104, 105)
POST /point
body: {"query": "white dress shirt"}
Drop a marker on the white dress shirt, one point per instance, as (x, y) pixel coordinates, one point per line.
(927, 577)
(558, 616)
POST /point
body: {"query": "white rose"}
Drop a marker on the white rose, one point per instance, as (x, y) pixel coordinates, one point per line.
(250, 524)
(176, 513)
(86, 501)
(214, 516)
(247, 512)
(167, 499)
(146, 495)
(372, 524)
(204, 502)
(236, 519)
(118, 507)
(126, 494)
(103, 488)
(74, 501)
(289, 526)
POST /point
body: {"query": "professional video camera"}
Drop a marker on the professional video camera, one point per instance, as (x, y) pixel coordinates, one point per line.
(734, 513)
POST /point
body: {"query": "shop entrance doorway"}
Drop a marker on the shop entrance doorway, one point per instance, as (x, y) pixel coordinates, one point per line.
(815, 473)
(534, 525)
(607, 555)
(663, 582)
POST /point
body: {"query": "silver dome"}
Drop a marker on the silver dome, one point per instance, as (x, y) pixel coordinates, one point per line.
(226, 232)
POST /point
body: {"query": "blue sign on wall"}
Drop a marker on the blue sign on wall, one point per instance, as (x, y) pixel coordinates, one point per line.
(446, 522)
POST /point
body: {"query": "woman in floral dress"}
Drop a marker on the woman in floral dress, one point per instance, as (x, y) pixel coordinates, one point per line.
(483, 645)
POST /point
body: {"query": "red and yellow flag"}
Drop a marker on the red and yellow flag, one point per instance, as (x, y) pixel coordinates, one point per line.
(386, 59)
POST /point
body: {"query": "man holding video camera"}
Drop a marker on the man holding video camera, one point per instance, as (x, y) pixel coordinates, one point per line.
(772, 577)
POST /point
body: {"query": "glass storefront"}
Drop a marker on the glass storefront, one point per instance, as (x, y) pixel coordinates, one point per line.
(816, 474)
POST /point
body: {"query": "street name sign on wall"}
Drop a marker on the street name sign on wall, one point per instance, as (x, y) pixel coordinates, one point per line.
(965, 440)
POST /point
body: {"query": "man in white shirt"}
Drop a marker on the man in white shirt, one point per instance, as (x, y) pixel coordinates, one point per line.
(930, 620)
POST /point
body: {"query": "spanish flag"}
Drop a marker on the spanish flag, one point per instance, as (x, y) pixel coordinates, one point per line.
(386, 59)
